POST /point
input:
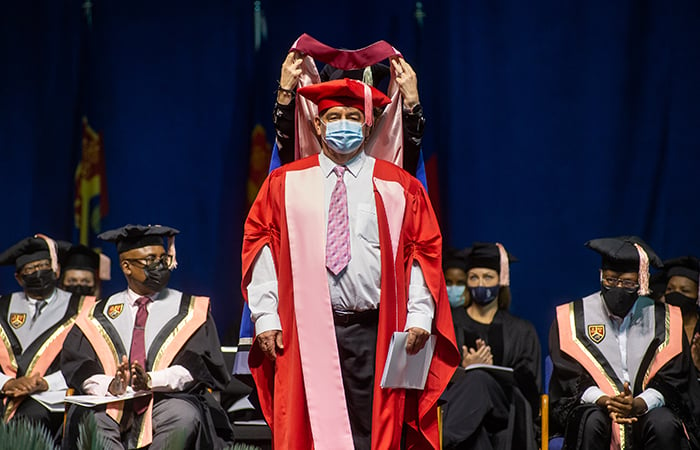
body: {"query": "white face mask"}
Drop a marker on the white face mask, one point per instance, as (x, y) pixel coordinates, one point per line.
(344, 136)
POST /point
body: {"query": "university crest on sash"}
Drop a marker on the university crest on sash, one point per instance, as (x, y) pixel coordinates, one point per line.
(596, 332)
(114, 310)
(17, 319)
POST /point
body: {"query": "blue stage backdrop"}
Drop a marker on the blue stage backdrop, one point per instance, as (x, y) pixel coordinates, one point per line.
(551, 123)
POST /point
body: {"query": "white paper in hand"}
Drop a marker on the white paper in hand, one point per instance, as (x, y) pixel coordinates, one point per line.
(404, 371)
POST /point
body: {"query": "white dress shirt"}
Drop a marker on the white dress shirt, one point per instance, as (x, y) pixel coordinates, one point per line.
(651, 397)
(171, 379)
(358, 287)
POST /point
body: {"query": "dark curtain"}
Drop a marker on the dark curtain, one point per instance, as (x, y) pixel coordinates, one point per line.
(552, 123)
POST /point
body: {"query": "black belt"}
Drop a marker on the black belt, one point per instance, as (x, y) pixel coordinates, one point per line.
(346, 318)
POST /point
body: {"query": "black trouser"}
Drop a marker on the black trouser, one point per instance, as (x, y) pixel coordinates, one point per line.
(33, 411)
(357, 346)
(659, 429)
(476, 409)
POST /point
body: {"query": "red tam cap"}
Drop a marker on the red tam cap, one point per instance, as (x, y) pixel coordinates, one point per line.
(345, 92)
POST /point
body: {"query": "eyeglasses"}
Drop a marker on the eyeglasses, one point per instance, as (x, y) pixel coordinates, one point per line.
(28, 270)
(152, 261)
(614, 282)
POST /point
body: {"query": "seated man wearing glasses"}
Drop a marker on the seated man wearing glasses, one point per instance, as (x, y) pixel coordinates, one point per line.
(148, 338)
(621, 364)
(34, 323)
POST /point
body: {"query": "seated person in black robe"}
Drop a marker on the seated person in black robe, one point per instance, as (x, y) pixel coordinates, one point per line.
(622, 370)
(34, 323)
(480, 402)
(148, 338)
(682, 277)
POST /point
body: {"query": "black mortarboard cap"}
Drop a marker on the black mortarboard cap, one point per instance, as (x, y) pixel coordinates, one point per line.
(621, 255)
(685, 266)
(28, 250)
(485, 254)
(379, 72)
(130, 236)
(488, 255)
(82, 257)
(453, 258)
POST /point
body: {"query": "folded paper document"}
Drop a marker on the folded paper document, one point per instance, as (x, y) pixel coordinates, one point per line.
(94, 400)
(403, 370)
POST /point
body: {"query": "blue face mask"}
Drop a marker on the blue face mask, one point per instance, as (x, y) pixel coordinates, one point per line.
(455, 294)
(483, 295)
(344, 136)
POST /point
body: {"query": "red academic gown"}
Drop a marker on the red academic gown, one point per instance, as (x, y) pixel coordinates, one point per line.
(283, 398)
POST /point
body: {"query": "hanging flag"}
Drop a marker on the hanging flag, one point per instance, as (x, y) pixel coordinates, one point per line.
(90, 204)
(260, 151)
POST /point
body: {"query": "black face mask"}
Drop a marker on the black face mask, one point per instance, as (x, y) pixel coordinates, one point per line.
(619, 300)
(39, 284)
(687, 305)
(80, 289)
(157, 276)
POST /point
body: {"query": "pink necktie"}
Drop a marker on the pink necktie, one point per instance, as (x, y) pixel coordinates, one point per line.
(338, 232)
(138, 346)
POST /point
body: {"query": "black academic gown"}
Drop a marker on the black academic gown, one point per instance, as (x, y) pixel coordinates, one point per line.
(480, 405)
(676, 381)
(30, 408)
(201, 356)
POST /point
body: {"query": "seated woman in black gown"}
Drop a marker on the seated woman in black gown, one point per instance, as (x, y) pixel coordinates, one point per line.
(682, 277)
(487, 408)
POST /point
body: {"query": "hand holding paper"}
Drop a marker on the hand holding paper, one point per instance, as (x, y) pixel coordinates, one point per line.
(417, 337)
(404, 370)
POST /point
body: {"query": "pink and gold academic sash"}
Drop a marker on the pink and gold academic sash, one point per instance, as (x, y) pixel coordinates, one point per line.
(195, 317)
(44, 356)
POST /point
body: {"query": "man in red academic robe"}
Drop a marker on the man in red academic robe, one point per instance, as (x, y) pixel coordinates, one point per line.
(340, 251)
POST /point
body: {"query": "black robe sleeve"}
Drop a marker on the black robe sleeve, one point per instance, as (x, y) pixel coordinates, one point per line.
(413, 128)
(283, 119)
(568, 382)
(677, 382)
(78, 360)
(203, 358)
(522, 352)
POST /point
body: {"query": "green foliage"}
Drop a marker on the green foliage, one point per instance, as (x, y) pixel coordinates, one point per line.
(25, 435)
(176, 440)
(242, 446)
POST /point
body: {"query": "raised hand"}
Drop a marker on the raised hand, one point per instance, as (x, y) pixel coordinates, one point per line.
(140, 380)
(121, 379)
(289, 77)
(407, 81)
(480, 355)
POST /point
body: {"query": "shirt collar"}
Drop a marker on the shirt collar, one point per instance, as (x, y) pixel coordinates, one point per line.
(132, 296)
(354, 166)
(47, 300)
